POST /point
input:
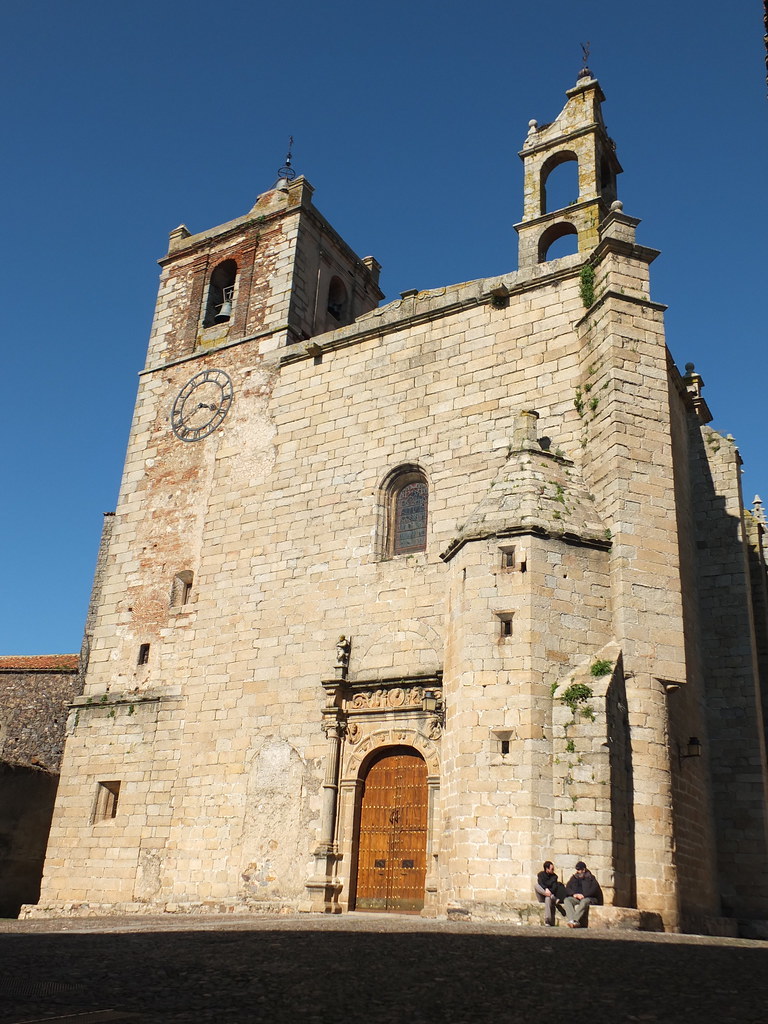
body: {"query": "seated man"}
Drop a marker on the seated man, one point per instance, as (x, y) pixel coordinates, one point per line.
(582, 891)
(549, 892)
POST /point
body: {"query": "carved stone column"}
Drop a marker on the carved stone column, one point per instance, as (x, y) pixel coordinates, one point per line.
(323, 886)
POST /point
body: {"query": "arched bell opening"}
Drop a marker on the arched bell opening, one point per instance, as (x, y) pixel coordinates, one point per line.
(557, 241)
(391, 832)
(338, 302)
(559, 182)
(221, 291)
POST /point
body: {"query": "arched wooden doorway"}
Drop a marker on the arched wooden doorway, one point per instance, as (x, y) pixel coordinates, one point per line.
(392, 833)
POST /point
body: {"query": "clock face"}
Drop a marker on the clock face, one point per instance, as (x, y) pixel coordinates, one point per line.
(201, 405)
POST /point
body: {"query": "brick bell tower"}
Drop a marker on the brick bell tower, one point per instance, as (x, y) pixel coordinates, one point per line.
(189, 528)
(276, 276)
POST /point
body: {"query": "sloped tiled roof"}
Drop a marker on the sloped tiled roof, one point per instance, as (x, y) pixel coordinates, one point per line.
(40, 663)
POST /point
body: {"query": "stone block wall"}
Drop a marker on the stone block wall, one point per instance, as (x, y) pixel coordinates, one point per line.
(737, 755)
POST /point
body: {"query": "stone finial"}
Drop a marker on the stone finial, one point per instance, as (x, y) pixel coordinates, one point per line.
(374, 268)
(758, 510)
(533, 127)
(177, 236)
(617, 206)
(693, 381)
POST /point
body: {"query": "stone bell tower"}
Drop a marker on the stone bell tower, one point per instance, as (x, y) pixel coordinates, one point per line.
(577, 134)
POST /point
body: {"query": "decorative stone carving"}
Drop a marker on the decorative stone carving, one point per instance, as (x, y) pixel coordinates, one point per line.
(343, 647)
(434, 729)
(398, 698)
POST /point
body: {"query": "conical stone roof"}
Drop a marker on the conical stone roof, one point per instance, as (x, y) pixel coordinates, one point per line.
(536, 492)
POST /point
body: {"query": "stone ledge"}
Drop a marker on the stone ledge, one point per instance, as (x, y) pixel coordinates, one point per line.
(134, 909)
(532, 913)
(626, 919)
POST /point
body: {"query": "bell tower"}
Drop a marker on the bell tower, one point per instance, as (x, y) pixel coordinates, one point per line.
(577, 134)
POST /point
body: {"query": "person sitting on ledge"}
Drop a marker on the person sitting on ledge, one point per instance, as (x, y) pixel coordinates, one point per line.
(582, 891)
(550, 892)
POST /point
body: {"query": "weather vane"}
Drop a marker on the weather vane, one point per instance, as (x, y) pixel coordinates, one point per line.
(286, 171)
(584, 53)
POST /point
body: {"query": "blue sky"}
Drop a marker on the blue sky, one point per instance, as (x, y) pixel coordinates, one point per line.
(123, 120)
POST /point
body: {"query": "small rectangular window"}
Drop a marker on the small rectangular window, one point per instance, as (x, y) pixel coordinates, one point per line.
(107, 795)
(143, 654)
(501, 742)
(508, 560)
(505, 624)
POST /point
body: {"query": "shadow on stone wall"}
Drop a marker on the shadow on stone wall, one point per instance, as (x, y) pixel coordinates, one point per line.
(622, 790)
(26, 810)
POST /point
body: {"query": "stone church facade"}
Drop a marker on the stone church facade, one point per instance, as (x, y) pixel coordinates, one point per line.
(401, 600)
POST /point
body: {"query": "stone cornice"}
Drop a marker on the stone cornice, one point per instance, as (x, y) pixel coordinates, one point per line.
(527, 530)
(620, 296)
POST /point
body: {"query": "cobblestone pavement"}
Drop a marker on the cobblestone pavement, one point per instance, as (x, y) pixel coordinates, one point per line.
(371, 968)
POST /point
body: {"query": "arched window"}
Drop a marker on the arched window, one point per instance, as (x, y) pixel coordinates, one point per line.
(337, 300)
(221, 290)
(559, 189)
(550, 246)
(406, 500)
(181, 588)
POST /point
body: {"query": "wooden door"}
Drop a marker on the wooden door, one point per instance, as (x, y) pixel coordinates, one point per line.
(392, 845)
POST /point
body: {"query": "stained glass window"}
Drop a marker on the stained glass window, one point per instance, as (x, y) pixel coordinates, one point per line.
(410, 532)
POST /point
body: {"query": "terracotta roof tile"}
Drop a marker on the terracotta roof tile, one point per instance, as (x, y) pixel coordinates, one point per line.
(40, 663)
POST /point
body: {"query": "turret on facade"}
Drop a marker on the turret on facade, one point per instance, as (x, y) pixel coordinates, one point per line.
(577, 134)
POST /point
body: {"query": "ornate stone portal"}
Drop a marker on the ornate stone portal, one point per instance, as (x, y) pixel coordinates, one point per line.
(360, 719)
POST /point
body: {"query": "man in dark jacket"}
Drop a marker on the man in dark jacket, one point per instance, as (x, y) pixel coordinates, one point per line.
(549, 891)
(582, 891)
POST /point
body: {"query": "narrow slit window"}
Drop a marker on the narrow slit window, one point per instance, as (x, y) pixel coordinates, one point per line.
(143, 658)
(181, 588)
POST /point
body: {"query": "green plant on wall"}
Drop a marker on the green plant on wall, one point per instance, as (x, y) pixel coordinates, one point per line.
(575, 697)
(601, 667)
(587, 285)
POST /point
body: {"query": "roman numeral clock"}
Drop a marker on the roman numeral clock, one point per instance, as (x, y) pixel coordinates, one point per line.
(201, 405)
